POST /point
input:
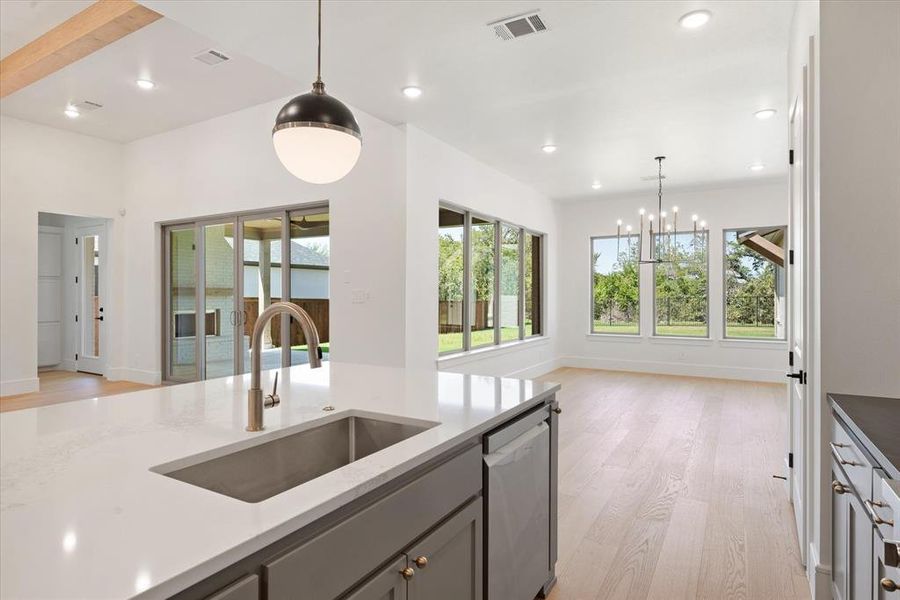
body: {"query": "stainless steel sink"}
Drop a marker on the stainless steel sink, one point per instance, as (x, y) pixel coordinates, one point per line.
(264, 470)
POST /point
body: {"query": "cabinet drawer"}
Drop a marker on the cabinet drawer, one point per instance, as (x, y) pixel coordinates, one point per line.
(329, 564)
(242, 589)
(883, 507)
(852, 459)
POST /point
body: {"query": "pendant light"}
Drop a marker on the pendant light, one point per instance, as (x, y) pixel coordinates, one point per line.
(316, 137)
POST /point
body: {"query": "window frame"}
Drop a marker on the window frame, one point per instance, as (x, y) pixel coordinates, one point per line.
(708, 336)
(498, 225)
(591, 286)
(725, 335)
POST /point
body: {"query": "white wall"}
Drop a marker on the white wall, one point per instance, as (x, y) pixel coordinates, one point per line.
(228, 164)
(437, 172)
(49, 170)
(725, 208)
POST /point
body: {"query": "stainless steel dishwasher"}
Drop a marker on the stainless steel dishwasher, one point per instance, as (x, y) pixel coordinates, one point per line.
(520, 498)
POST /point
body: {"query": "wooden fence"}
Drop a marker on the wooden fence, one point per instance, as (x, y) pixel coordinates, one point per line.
(317, 309)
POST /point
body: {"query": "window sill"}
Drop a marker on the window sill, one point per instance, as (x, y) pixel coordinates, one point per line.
(614, 337)
(461, 358)
(678, 340)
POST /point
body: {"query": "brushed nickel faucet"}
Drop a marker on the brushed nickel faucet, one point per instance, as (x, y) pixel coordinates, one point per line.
(255, 401)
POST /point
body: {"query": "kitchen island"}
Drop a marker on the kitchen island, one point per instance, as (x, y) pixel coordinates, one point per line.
(90, 506)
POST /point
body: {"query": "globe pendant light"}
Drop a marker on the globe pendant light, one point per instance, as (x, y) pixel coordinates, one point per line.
(316, 136)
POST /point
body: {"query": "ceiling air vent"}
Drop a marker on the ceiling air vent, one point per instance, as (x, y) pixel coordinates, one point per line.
(87, 106)
(212, 57)
(518, 26)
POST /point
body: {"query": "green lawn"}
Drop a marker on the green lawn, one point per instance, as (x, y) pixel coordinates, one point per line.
(605, 327)
(750, 331)
(323, 346)
(448, 342)
(682, 329)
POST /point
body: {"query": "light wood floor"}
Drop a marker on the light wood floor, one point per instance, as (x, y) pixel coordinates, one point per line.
(64, 386)
(666, 489)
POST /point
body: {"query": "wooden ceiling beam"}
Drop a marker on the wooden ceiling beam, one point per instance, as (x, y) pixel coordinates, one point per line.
(99, 25)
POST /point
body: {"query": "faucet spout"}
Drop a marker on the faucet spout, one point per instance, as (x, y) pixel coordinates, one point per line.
(255, 402)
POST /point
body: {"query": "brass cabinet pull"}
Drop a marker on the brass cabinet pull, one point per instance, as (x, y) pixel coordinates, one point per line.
(888, 585)
(557, 410)
(421, 562)
(852, 463)
(878, 520)
(839, 488)
(408, 573)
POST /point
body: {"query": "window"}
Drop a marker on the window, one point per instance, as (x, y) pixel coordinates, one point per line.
(615, 277)
(481, 282)
(681, 285)
(489, 281)
(184, 324)
(450, 280)
(755, 283)
(510, 280)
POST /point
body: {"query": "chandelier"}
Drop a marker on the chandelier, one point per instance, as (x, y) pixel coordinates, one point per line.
(666, 228)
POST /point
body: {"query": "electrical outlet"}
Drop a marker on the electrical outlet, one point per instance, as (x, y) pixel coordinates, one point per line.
(360, 296)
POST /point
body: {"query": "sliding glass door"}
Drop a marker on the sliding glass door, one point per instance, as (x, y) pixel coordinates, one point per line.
(261, 286)
(220, 274)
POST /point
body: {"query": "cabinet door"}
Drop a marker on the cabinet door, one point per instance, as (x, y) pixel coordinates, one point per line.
(840, 527)
(388, 584)
(859, 550)
(447, 563)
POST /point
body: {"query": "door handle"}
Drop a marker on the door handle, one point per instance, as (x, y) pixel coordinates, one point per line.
(100, 318)
(801, 376)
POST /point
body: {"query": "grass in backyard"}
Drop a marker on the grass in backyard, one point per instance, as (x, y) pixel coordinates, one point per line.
(750, 331)
(682, 329)
(605, 327)
(304, 347)
(448, 342)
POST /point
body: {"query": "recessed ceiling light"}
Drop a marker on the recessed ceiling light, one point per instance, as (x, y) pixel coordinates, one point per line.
(757, 166)
(71, 112)
(596, 185)
(548, 148)
(412, 91)
(766, 113)
(145, 84)
(695, 19)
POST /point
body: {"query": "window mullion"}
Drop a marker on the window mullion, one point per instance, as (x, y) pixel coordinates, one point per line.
(521, 303)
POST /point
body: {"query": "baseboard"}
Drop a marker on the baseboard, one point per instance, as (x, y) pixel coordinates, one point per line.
(135, 375)
(536, 370)
(819, 576)
(13, 387)
(674, 368)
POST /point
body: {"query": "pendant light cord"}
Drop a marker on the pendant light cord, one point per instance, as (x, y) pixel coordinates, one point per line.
(319, 48)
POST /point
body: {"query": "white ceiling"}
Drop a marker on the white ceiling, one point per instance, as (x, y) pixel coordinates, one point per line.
(612, 83)
(24, 20)
(187, 90)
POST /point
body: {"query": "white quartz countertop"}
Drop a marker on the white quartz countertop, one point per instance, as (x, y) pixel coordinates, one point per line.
(82, 515)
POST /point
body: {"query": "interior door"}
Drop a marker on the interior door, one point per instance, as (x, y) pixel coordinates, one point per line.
(797, 323)
(91, 293)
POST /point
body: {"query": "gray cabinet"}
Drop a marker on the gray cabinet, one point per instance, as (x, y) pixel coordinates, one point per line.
(388, 584)
(246, 588)
(447, 563)
(840, 511)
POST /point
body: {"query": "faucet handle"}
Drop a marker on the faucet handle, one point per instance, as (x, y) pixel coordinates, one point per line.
(273, 399)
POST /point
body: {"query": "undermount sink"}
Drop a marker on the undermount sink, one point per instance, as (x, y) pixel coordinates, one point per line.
(261, 471)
